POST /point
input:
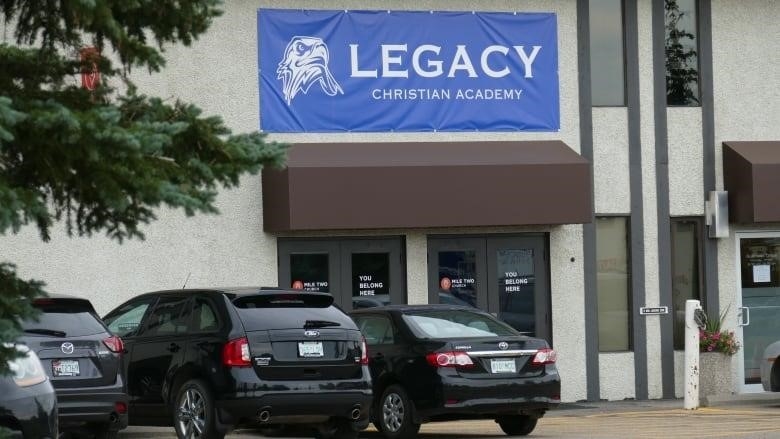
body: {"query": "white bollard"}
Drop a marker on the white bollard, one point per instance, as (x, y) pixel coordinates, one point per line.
(691, 399)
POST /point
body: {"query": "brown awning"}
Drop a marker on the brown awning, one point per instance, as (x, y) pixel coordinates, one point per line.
(751, 172)
(435, 184)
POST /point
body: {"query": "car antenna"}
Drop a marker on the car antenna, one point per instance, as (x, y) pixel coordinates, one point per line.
(185, 280)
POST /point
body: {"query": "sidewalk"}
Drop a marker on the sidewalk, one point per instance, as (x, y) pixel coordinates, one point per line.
(584, 408)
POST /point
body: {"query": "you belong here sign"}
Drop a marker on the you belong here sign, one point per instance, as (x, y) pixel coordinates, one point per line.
(378, 71)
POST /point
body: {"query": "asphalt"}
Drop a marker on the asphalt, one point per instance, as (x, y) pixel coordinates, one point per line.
(605, 419)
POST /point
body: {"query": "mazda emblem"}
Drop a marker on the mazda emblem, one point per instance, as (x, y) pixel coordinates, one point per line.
(67, 348)
(503, 345)
(311, 333)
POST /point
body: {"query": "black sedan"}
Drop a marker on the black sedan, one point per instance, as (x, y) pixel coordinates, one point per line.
(442, 362)
(28, 404)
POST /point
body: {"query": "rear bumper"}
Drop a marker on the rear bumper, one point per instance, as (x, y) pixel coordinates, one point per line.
(292, 402)
(464, 397)
(92, 404)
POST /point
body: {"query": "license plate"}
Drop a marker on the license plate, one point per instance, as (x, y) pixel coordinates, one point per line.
(65, 368)
(502, 366)
(310, 349)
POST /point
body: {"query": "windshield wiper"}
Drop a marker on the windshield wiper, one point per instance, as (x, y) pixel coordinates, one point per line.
(52, 332)
(319, 323)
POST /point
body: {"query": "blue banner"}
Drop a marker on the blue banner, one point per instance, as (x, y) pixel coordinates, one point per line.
(380, 71)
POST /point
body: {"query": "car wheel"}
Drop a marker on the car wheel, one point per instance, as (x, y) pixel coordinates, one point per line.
(396, 414)
(518, 425)
(194, 415)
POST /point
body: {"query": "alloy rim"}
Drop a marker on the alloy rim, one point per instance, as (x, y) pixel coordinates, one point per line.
(192, 414)
(393, 412)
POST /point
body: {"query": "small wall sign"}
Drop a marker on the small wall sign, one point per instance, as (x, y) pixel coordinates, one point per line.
(653, 310)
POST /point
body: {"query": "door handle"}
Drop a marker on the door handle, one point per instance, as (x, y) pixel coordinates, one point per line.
(173, 347)
(378, 356)
(744, 315)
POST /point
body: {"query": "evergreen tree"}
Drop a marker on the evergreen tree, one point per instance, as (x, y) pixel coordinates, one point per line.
(102, 160)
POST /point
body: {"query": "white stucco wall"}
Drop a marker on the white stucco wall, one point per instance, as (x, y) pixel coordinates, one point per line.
(617, 386)
(686, 167)
(611, 177)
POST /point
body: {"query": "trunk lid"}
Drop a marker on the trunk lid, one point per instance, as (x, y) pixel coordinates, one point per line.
(299, 336)
(499, 357)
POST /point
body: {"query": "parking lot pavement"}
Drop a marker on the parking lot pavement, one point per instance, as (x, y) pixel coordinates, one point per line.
(733, 419)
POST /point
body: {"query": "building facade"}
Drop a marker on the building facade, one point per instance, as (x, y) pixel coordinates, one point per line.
(564, 232)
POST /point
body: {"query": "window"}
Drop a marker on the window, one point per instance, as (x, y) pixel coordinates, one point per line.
(376, 330)
(204, 317)
(125, 321)
(169, 317)
(607, 53)
(685, 272)
(613, 283)
(682, 52)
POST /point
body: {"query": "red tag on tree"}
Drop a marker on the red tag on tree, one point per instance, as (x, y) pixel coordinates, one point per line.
(90, 75)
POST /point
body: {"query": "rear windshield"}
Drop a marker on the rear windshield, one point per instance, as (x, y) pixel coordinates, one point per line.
(286, 311)
(65, 318)
(455, 324)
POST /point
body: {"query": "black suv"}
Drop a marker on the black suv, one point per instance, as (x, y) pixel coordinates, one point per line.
(83, 361)
(209, 360)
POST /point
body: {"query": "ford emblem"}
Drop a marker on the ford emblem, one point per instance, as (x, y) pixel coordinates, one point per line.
(67, 348)
(503, 345)
(311, 333)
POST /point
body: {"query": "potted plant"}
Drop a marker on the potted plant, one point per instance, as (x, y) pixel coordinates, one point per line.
(716, 346)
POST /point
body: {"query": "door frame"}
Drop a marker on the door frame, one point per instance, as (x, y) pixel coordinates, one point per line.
(487, 292)
(739, 236)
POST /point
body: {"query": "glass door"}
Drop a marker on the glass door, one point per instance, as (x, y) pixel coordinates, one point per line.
(504, 275)
(457, 271)
(759, 307)
(518, 293)
(374, 268)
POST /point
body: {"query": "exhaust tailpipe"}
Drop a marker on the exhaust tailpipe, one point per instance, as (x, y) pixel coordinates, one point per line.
(355, 413)
(264, 415)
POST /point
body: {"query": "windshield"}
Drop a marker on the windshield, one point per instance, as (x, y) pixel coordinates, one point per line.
(455, 324)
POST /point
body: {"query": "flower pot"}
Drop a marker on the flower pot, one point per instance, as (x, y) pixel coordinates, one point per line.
(714, 374)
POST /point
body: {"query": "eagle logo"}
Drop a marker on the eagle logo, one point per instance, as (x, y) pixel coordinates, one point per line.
(306, 62)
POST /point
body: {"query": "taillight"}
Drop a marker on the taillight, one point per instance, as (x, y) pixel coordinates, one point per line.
(364, 351)
(114, 344)
(235, 353)
(449, 359)
(544, 356)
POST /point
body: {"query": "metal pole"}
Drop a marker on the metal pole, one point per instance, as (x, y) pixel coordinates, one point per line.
(691, 400)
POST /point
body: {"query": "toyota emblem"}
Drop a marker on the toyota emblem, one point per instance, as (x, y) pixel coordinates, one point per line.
(503, 345)
(67, 348)
(311, 333)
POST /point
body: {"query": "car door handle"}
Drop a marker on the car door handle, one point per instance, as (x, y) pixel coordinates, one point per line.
(173, 347)
(378, 356)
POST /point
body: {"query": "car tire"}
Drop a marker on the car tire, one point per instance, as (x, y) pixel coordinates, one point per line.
(396, 414)
(193, 412)
(518, 425)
